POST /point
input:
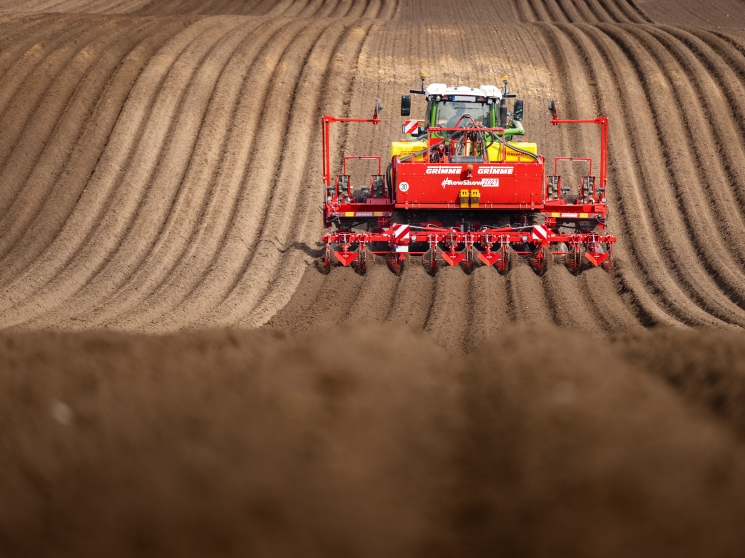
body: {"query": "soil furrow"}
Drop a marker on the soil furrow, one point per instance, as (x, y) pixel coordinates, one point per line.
(727, 66)
(527, 298)
(36, 162)
(615, 314)
(269, 240)
(555, 10)
(448, 317)
(218, 226)
(301, 214)
(703, 250)
(164, 165)
(126, 282)
(80, 160)
(568, 302)
(721, 148)
(488, 311)
(270, 184)
(610, 7)
(632, 200)
(25, 86)
(111, 198)
(413, 297)
(375, 299)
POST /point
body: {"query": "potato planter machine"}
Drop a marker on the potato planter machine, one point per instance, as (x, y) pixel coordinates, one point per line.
(460, 190)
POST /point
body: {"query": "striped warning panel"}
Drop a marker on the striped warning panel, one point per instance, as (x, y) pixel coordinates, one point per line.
(410, 126)
(539, 233)
(401, 233)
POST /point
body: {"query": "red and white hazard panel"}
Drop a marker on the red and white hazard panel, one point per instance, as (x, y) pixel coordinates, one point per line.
(401, 236)
(539, 233)
(410, 126)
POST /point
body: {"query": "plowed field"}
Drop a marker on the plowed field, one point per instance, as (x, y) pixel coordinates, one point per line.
(160, 171)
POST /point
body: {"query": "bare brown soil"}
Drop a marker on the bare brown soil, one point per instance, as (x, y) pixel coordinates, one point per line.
(253, 443)
(160, 171)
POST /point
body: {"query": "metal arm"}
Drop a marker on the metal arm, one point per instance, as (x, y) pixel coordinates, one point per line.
(601, 121)
(325, 122)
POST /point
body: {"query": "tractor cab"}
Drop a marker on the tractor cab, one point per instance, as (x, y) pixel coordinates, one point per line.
(460, 107)
(446, 107)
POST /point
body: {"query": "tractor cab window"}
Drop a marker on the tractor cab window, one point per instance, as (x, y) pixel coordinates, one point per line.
(450, 110)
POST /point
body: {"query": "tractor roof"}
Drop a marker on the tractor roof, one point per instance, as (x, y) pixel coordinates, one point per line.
(488, 91)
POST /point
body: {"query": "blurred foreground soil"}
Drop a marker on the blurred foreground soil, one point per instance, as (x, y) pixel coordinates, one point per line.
(372, 441)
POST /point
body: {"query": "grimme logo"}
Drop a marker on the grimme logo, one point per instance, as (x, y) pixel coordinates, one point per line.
(443, 170)
(495, 170)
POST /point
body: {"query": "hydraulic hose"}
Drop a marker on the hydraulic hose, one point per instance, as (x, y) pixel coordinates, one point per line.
(422, 152)
(522, 151)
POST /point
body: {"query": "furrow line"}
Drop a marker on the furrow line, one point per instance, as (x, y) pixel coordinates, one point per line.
(169, 275)
(523, 10)
(695, 205)
(160, 165)
(655, 296)
(642, 14)
(488, 310)
(632, 12)
(568, 304)
(375, 298)
(413, 298)
(132, 274)
(555, 11)
(85, 152)
(709, 82)
(275, 183)
(727, 65)
(559, 285)
(528, 303)
(214, 262)
(595, 10)
(24, 87)
(448, 318)
(611, 8)
(601, 294)
(670, 217)
(20, 34)
(302, 225)
(111, 198)
(36, 162)
(584, 11)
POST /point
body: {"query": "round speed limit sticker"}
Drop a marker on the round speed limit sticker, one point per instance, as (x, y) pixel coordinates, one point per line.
(404, 186)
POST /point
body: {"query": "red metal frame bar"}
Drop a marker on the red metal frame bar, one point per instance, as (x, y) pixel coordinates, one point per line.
(326, 121)
(456, 240)
(601, 121)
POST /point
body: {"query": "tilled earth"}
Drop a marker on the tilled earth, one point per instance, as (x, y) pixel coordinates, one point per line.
(160, 172)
